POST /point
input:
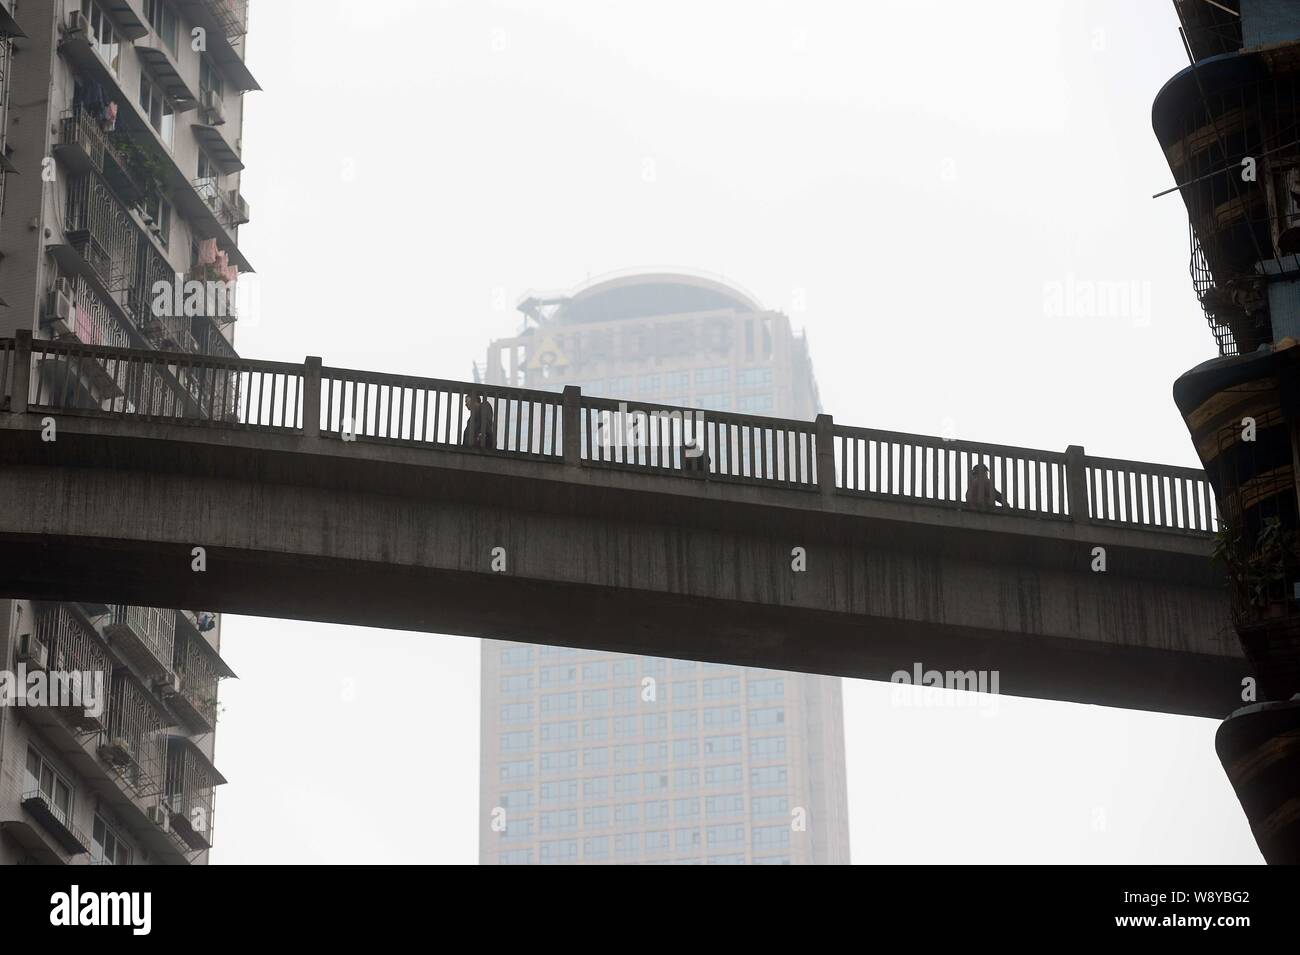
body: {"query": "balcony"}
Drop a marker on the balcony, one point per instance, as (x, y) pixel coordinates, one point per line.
(226, 205)
(200, 669)
(101, 230)
(56, 822)
(191, 779)
(154, 53)
(81, 143)
(76, 649)
(133, 744)
(226, 22)
(144, 636)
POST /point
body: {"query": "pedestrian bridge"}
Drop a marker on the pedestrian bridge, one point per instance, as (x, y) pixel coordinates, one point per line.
(321, 493)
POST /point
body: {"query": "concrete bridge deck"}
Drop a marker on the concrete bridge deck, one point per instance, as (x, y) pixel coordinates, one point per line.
(336, 495)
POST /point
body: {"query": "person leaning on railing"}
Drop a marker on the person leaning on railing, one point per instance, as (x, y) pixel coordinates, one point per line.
(980, 492)
(480, 429)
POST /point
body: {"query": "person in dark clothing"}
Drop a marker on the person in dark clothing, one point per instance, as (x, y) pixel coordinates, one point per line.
(480, 429)
(694, 460)
(980, 492)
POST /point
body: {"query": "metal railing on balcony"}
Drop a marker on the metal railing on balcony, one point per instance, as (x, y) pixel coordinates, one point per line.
(76, 650)
(230, 214)
(77, 128)
(56, 820)
(232, 15)
(102, 230)
(189, 793)
(94, 322)
(194, 662)
(141, 631)
(134, 741)
(574, 430)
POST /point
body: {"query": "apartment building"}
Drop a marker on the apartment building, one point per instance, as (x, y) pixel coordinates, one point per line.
(591, 757)
(119, 195)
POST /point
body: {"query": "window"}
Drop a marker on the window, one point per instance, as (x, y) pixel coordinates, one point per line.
(767, 777)
(510, 656)
(210, 79)
(163, 20)
(106, 846)
(103, 35)
(45, 779)
(514, 741)
(766, 689)
(517, 684)
(770, 806)
(768, 837)
(712, 377)
(767, 747)
(754, 404)
(516, 712)
(559, 732)
(754, 378)
(159, 109)
(160, 210)
(519, 769)
(209, 171)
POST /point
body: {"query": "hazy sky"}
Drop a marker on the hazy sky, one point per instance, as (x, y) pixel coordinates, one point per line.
(933, 189)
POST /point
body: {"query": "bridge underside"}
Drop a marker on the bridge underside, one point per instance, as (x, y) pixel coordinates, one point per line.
(400, 538)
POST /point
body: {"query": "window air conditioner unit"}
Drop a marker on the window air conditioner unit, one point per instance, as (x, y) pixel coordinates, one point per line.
(160, 817)
(32, 652)
(78, 24)
(168, 685)
(60, 307)
(214, 107)
(240, 205)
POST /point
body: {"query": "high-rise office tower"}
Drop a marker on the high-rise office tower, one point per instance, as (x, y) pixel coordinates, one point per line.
(591, 757)
(119, 227)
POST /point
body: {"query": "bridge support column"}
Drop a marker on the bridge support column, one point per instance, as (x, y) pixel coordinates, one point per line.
(826, 454)
(22, 371)
(311, 397)
(572, 425)
(1076, 482)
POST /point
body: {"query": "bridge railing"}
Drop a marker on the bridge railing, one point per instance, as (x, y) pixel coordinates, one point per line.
(721, 445)
(369, 406)
(580, 430)
(198, 389)
(935, 470)
(1150, 495)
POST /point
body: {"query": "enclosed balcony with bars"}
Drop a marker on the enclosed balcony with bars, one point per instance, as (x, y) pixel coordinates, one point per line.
(134, 741)
(189, 794)
(100, 228)
(76, 649)
(144, 636)
(199, 670)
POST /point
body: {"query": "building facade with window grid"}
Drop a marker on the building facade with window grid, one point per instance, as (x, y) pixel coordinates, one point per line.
(124, 120)
(604, 758)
